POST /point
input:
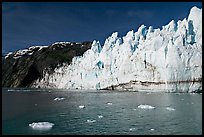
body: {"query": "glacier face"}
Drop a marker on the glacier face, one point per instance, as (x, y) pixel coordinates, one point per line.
(170, 59)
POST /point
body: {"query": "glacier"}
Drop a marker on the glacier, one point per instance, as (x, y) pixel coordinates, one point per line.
(167, 59)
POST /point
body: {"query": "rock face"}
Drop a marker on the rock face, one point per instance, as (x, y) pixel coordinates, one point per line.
(169, 59)
(23, 67)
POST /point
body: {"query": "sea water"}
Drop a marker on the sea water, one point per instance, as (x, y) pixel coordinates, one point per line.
(97, 112)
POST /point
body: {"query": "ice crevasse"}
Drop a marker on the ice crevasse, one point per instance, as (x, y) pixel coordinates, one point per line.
(167, 59)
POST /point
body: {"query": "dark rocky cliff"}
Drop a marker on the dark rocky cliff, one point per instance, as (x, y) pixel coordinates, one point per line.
(21, 68)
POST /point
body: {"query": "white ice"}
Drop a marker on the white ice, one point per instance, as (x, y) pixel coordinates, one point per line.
(109, 103)
(152, 129)
(90, 121)
(132, 129)
(82, 106)
(41, 125)
(59, 98)
(146, 107)
(100, 116)
(170, 109)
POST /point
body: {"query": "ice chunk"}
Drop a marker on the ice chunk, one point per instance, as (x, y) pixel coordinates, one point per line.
(152, 129)
(146, 107)
(132, 129)
(59, 98)
(100, 116)
(41, 125)
(170, 109)
(9, 90)
(90, 121)
(109, 103)
(82, 106)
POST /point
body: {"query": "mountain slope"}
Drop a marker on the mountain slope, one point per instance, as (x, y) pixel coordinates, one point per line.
(21, 68)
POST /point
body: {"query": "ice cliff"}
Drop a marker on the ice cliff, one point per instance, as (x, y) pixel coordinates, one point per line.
(165, 59)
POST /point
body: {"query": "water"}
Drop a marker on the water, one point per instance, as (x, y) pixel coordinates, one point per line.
(101, 112)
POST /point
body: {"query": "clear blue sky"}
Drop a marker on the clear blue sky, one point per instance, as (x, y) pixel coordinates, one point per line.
(42, 23)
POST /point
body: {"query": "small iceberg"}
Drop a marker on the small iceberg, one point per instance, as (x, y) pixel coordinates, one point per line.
(170, 109)
(109, 103)
(9, 90)
(152, 129)
(132, 129)
(41, 125)
(146, 107)
(90, 121)
(100, 116)
(58, 99)
(82, 106)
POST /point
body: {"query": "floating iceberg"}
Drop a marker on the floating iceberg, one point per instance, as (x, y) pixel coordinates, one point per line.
(109, 103)
(170, 109)
(82, 106)
(132, 129)
(100, 116)
(41, 125)
(58, 99)
(90, 121)
(152, 129)
(146, 107)
(10, 90)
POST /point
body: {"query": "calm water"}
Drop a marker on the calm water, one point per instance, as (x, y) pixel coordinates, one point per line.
(22, 107)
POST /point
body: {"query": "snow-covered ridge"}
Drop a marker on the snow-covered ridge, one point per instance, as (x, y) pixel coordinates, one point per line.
(61, 43)
(170, 58)
(29, 51)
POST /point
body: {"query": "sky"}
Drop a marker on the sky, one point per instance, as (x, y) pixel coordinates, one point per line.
(26, 24)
